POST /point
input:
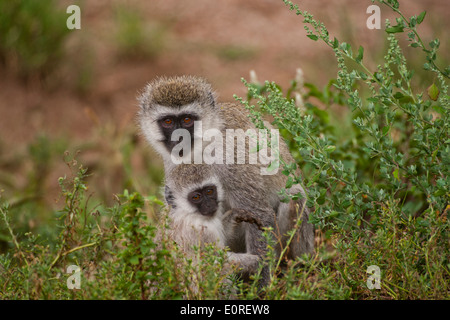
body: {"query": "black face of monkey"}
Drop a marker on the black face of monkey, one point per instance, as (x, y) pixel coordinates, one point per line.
(169, 123)
(205, 200)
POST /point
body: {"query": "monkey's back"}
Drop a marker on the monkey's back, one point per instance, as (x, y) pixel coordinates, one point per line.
(237, 117)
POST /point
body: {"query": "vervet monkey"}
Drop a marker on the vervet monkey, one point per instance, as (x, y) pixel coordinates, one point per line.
(199, 216)
(168, 104)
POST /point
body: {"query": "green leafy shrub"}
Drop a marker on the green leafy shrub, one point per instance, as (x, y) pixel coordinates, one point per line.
(382, 196)
(121, 253)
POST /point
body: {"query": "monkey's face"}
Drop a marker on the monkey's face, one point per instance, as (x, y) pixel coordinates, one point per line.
(205, 200)
(194, 192)
(168, 104)
(159, 124)
(168, 123)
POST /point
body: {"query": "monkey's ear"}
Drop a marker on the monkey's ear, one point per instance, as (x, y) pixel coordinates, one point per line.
(144, 96)
(168, 195)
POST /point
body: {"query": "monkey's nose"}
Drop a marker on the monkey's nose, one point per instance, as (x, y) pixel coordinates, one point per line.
(209, 210)
(172, 144)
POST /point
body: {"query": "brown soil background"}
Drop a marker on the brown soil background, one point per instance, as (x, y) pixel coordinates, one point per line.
(195, 34)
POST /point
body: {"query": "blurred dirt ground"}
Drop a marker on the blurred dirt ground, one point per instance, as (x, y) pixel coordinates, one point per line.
(219, 40)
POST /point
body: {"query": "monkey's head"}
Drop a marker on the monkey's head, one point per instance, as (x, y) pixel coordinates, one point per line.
(204, 199)
(168, 104)
(194, 190)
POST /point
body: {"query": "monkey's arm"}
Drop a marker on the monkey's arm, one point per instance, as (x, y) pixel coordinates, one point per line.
(241, 215)
(247, 262)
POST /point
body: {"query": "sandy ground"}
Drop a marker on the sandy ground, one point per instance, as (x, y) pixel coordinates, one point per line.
(198, 38)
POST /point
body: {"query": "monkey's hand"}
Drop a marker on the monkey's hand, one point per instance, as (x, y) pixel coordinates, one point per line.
(241, 215)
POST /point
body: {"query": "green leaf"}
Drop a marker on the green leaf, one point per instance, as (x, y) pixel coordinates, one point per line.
(360, 54)
(395, 29)
(421, 17)
(347, 48)
(333, 214)
(439, 109)
(313, 90)
(330, 148)
(434, 43)
(313, 37)
(335, 43)
(363, 75)
(320, 200)
(134, 260)
(447, 71)
(395, 173)
(439, 193)
(398, 95)
(289, 182)
(433, 92)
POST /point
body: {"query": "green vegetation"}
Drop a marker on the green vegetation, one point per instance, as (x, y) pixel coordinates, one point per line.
(135, 38)
(31, 36)
(374, 150)
(235, 52)
(381, 193)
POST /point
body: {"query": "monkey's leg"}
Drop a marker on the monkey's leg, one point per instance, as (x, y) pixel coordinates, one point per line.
(256, 247)
(247, 263)
(303, 240)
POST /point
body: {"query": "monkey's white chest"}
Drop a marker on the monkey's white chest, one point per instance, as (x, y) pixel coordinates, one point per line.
(196, 229)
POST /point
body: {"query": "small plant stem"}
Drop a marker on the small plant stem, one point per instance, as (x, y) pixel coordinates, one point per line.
(61, 254)
(13, 237)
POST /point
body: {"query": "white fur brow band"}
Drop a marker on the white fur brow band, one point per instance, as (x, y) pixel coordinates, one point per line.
(189, 108)
(203, 184)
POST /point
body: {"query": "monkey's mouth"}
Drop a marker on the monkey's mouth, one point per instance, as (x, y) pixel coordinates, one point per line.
(171, 144)
(208, 210)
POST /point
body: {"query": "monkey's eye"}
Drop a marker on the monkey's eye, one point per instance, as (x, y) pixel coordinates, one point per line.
(209, 191)
(187, 121)
(196, 197)
(167, 122)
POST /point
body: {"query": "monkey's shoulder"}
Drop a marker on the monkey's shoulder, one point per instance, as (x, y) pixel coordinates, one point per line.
(235, 116)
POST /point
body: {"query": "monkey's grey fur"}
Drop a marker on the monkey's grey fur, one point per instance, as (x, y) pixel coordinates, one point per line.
(189, 227)
(243, 185)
